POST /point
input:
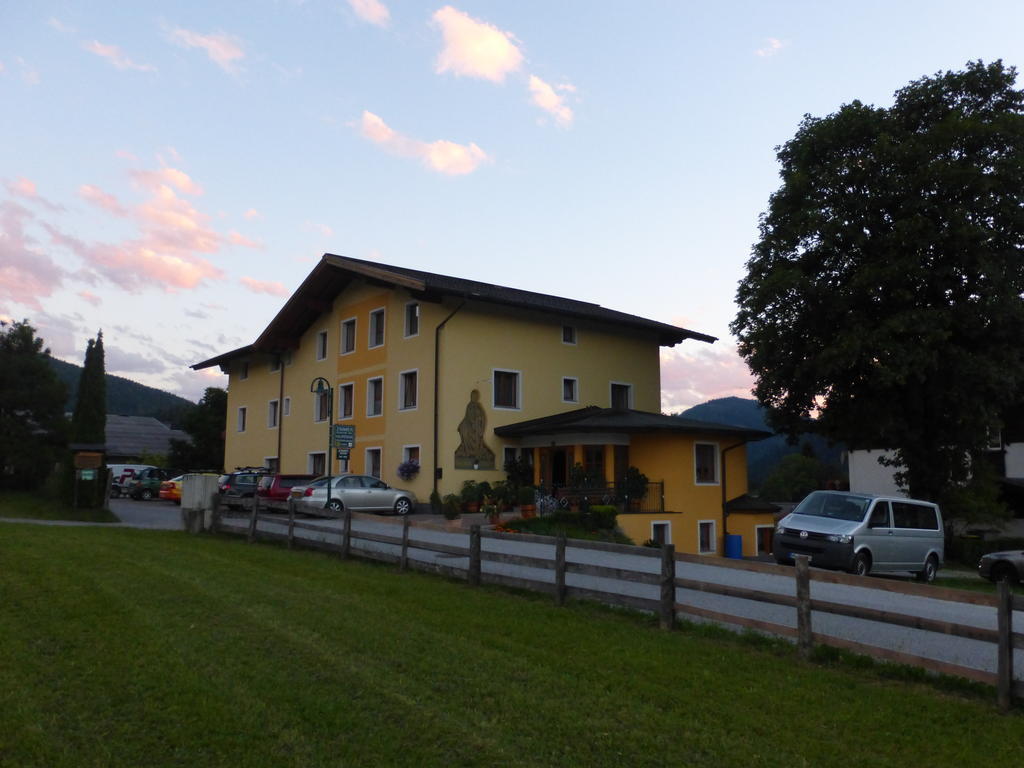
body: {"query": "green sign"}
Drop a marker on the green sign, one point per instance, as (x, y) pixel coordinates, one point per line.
(344, 435)
(87, 474)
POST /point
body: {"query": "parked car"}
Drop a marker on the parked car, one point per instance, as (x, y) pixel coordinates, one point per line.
(359, 493)
(171, 489)
(145, 485)
(863, 533)
(240, 484)
(1002, 566)
(279, 487)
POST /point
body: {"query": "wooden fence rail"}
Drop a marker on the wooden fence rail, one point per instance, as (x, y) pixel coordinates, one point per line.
(663, 566)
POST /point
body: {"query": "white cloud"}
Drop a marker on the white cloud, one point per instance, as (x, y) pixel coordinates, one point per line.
(371, 11)
(547, 98)
(772, 46)
(474, 48)
(224, 50)
(442, 156)
(115, 56)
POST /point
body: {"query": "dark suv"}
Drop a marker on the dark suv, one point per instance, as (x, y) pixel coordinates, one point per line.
(240, 484)
(146, 483)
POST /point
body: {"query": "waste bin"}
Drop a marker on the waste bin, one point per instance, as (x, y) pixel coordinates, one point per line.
(734, 546)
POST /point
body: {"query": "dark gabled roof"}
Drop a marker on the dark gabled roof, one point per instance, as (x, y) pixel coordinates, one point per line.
(137, 435)
(748, 503)
(594, 419)
(335, 273)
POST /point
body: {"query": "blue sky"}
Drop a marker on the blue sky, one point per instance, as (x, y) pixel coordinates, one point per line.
(169, 172)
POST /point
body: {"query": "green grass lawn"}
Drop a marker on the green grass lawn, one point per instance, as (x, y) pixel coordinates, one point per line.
(38, 505)
(146, 648)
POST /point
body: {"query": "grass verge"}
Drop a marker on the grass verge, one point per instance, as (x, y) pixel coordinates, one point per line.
(126, 647)
(38, 505)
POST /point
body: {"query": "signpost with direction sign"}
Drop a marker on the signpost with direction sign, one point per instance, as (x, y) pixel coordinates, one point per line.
(344, 437)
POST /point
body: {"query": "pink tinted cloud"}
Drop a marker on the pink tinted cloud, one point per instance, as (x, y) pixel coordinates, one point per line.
(26, 189)
(153, 180)
(474, 48)
(252, 213)
(371, 11)
(264, 286)
(236, 238)
(91, 297)
(104, 200)
(224, 50)
(694, 373)
(27, 273)
(442, 156)
(548, 98)
(115, 56)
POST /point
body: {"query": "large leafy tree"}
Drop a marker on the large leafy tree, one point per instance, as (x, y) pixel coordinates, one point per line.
(205, 424)
(884, 295)
(32, 423)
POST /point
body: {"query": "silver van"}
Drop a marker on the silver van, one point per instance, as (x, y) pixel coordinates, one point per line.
(863, 533)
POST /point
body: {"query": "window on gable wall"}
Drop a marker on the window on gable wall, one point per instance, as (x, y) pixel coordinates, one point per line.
(243, 370)
(273, 413)
(348, 336)
(569, 390)
(506, 389)
(408, 394)
(346, 400)
(275, 363)
(705, 462)
(412, 319)
(376, 328)
(241, 418)
(321, 345)
(568, 334)
(321, 406)
(375, 396)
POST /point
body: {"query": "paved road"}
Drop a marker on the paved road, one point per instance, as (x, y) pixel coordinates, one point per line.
(969, 653)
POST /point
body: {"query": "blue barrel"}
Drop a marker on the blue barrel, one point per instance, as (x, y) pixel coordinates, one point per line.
(734, 546)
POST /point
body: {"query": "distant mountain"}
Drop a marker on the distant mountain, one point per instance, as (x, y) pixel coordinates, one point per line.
(126, 397)
(763, 455)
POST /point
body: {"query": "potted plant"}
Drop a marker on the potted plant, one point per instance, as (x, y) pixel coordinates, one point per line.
(451, 505)
(632, 487)
(471, 496)
(492, 513)
(407, 470)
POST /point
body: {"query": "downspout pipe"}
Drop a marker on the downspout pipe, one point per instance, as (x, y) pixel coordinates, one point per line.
(725, 513)
(437, 377)
(280, 411)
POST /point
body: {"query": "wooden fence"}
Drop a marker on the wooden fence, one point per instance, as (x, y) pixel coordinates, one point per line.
(1003, 637)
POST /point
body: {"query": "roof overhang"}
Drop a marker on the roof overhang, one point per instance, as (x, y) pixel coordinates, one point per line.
(623, 421)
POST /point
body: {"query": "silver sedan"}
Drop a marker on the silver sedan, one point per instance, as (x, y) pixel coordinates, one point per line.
(358, 493)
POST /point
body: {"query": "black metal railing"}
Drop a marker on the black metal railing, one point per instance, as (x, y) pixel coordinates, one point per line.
(651, 502)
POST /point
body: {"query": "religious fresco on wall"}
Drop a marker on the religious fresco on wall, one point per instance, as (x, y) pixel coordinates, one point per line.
(472, 453)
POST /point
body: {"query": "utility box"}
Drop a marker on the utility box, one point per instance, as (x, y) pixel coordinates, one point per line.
(197, 494)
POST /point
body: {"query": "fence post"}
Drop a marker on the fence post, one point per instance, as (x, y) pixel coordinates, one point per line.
(474, 555)
(667, 617)
(1004, 659)
(804, 641)
(291, 522)
(252, 520)
(560, 570)
(346, 535)
(403, 563)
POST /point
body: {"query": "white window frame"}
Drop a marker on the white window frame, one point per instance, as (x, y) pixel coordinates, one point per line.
(276, 411)
(367, 466)
(519, 390)
(575, 335)
(629, 398)
(243, 374)
(714, 537)
(242, 418)
(268, 459)
(286, 409)
(405, 320)
(668, 531)
(369, 397)
(757, 539)
(383, 331)
(401, 390)
(341, 403)
(316, 410)
(718, 460)
(405, 453)
(309, 460)
(286, 357)
(576, 388)
(322, 333)
(355, 336)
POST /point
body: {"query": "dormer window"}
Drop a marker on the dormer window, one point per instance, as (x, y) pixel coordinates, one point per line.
(568, 334)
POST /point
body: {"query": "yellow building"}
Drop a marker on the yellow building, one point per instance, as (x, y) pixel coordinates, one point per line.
(443, 371)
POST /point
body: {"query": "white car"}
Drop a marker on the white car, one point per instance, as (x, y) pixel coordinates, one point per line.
(358, 493)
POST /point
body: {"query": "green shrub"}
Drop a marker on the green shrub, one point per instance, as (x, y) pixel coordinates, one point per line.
(451, 506)
(601, 517)
(527, 495)
(436, 504)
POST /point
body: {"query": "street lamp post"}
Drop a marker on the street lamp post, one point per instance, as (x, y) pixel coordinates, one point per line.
(319, 386)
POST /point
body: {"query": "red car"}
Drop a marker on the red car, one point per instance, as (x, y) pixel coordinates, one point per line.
(278, 487)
